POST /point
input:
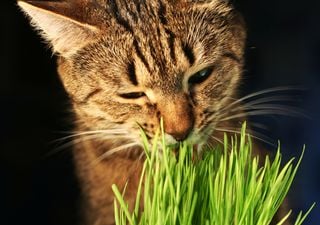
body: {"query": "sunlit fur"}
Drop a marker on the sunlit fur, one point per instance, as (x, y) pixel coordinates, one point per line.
(108, 49)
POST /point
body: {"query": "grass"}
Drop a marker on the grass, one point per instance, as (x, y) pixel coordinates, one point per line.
(225, 186)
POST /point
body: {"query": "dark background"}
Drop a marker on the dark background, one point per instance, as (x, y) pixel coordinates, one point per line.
(283, 50)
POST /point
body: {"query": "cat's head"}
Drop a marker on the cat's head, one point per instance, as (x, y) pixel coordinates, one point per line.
(126, 63)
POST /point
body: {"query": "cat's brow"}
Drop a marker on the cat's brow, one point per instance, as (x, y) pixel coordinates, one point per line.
(132, 73)
(140, 55)
(188, 53)
(170, 40)
(171, 36)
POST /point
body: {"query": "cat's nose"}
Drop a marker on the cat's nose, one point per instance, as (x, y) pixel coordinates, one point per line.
(178, 118)
(179, 124)
(180, 133)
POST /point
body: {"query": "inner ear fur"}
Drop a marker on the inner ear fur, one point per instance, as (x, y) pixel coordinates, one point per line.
(67, 26)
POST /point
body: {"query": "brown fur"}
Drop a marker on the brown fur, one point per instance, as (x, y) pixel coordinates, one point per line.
(109, 50)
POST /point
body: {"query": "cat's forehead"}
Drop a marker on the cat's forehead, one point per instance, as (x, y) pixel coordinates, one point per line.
(161, 41)
(145, 16)
(155, 42)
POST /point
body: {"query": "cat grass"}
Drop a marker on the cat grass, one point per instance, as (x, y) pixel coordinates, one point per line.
(223, 186)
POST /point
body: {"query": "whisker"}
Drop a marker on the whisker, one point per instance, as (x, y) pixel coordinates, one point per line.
(102, 132)
(113, 151)
(208, 132)
(260, 102)
(75, 141)
(258, 125)
(217, 139)
(290, 110)
(262, 92)
(253, 134)
(111, 130)
(141, 155)
(67, 145)
(271, 106)
(281, 98)
(262, 111)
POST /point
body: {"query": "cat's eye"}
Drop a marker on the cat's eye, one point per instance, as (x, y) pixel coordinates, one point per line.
(200, 76)
(132, 95)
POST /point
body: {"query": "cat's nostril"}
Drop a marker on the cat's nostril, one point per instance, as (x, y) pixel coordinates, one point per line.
(179, 127)
(179, 135)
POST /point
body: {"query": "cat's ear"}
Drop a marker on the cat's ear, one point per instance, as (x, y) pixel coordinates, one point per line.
(222, 5)
(204, 2)
(63, 24)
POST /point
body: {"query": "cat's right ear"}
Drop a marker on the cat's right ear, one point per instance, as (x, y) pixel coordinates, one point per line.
(62, 24)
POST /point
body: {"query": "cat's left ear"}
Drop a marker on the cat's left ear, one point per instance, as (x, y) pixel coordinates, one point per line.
(66, 25)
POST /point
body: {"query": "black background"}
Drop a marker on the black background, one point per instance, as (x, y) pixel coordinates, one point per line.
(283, 50)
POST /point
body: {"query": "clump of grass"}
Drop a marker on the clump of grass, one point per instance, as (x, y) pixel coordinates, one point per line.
(225, 186)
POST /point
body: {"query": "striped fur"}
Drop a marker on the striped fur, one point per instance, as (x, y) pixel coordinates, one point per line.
(126, 64)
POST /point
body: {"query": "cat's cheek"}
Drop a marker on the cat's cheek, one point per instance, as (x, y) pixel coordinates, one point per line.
(147, 121)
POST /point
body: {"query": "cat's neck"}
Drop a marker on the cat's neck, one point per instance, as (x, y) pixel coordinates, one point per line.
(98, 175)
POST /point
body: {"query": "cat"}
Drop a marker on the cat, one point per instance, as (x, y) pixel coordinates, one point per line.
(127, 63)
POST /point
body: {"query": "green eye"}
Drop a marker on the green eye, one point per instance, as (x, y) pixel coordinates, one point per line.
(200, 76)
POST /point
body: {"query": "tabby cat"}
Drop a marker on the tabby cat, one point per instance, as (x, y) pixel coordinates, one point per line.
(127, 63)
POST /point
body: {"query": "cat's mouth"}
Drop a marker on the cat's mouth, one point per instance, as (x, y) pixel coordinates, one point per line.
(196, 148)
